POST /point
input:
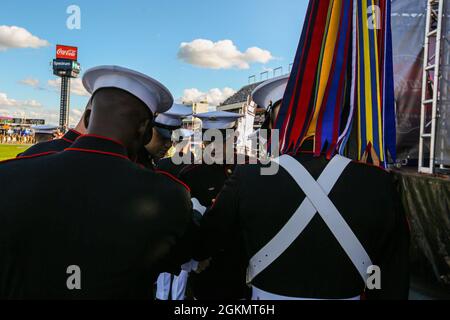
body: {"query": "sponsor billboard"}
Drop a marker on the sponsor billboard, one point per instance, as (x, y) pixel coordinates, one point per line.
(66, 52)
(62, 64)
(66, 65)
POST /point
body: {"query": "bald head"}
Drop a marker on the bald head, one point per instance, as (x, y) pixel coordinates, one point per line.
(119, 115)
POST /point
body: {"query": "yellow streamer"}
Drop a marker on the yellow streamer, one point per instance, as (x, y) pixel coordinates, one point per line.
(327, 63)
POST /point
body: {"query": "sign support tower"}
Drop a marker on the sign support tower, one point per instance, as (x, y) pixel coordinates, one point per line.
(66, 67)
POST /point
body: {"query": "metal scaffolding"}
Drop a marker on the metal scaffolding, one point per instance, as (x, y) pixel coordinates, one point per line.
(430, 86)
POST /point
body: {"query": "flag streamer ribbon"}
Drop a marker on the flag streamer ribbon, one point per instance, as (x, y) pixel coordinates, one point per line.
(342, 80)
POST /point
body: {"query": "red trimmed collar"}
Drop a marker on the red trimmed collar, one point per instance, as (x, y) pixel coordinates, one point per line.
(99, 145)
(71, 136)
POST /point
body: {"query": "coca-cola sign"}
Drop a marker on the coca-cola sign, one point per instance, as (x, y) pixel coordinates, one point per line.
(66, 52)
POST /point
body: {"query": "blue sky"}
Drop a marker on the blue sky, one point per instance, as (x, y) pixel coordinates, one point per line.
(146, 36)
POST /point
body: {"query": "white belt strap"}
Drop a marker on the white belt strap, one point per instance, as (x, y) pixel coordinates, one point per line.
(258, 294)
(316, 201)
(163, 286)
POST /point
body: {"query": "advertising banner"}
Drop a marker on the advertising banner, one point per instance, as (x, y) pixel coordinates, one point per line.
(443, 125)
(66, 52)
(408, 32)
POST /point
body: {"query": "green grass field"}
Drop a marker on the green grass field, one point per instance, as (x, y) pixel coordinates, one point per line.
(9, 151)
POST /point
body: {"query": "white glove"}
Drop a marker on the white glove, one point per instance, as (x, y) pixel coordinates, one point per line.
(190, 266)
(198, 207)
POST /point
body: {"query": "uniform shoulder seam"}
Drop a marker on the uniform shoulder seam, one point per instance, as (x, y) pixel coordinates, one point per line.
(170, 176)
(29, 157)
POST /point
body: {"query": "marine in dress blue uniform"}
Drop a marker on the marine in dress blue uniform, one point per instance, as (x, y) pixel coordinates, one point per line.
(313, 229)
(121, 231)
(225, 277)
(166, 130)
(182, 144)
(161, 142)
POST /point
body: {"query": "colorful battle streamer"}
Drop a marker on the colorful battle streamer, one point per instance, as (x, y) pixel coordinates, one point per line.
(342, 75)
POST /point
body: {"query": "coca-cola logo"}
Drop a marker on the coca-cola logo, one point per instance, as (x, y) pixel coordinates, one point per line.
(63, 52)
(71, 53)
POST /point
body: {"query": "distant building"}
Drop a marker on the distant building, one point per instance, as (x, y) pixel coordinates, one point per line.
(193, 123)
(200, 107)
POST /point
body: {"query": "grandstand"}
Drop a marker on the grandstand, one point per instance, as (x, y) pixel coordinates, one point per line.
(236, 102)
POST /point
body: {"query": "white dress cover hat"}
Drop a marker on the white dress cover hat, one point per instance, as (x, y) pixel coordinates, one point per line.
(174, 117)
(270, 92)
(218, 119)
(152, 93)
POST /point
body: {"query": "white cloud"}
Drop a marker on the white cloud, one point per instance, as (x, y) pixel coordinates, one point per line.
(5, 101)
(77, 112)
(221, 54)
(76, 86)
(31, 104)
(214, 96)
(17, 37)
(30, 82)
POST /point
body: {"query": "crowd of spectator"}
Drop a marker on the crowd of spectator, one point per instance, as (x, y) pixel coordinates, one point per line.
(16, 136)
